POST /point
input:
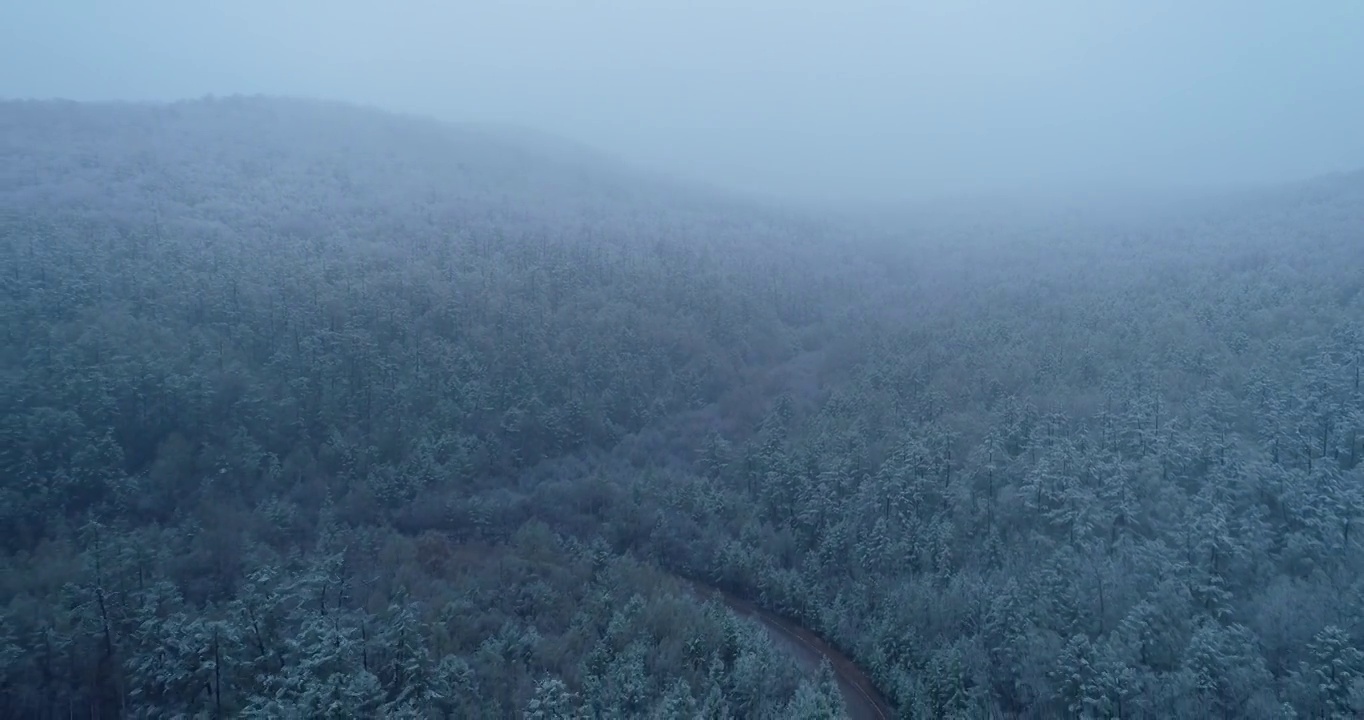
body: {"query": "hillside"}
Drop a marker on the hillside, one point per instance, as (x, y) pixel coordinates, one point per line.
(245, 334)
(305, 406)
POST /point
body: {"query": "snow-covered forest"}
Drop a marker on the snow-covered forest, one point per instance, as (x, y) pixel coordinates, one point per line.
(310, 410)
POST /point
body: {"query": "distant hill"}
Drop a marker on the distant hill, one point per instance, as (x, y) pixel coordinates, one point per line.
(257, 152)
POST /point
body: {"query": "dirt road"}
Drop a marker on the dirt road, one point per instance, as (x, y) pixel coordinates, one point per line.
(860, 697)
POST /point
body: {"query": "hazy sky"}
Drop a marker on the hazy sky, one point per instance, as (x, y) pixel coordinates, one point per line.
(847, 98)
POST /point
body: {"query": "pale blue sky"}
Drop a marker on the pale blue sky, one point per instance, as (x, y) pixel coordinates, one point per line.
(846, 99)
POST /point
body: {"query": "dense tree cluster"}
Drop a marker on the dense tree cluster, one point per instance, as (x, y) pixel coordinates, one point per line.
(1120, 479)
(308, 410)
(246, 329)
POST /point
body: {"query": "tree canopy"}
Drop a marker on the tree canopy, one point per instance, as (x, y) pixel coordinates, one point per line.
(308, 410)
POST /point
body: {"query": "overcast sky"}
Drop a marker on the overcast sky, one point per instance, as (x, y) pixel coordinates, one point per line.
(837, 98)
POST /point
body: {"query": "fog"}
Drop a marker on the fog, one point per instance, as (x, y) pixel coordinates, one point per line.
(849, 100)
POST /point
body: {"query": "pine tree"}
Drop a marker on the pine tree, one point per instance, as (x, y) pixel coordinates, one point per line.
(818, 698)
(551, 701)
(1334, 675)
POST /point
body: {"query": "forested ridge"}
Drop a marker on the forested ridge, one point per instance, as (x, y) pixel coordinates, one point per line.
(310, 410)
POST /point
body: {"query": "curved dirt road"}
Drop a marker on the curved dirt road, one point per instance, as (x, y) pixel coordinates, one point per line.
(860, 697)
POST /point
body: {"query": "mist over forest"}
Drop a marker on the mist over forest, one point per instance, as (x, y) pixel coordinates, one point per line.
(441, 363)
(809, 101)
